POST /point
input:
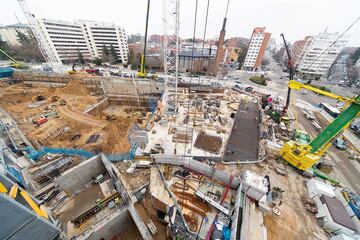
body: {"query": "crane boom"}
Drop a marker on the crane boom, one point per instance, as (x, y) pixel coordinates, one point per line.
(49, 54)
(8, 56)
(341, 122)
(297, 86)
(305, 156)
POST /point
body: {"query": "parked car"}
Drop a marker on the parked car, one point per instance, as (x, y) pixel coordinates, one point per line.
(339, 144)
(341, 83)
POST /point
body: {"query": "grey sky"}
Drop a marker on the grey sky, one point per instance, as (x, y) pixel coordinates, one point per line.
(295, 19)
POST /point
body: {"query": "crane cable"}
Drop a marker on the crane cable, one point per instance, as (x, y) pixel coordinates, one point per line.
(201, 66)
(191, 69)
(332, 44)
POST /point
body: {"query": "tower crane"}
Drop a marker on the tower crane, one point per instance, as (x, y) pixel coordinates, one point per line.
(49, 54)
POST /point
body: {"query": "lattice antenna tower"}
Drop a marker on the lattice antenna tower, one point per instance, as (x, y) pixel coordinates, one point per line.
(49, 54)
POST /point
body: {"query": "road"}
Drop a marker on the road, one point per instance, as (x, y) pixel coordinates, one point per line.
(346, 170)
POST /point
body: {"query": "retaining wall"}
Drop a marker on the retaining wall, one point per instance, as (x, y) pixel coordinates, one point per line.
(74, 179)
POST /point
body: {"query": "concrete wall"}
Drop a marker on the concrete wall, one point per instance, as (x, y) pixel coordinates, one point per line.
(197, 166)
(116, 225)
(75, 179)
(126, 86)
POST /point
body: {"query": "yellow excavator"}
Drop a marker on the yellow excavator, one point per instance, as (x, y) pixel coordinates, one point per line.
(39, 210)
(14, 64)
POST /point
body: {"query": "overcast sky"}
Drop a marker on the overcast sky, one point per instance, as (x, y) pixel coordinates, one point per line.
(295, 19)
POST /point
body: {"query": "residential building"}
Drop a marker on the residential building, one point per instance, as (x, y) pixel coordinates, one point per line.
(196, 62)
(88, 37)
(155, 38)
(298, 50)
(258, 43)
(318, 53)
(9, 33)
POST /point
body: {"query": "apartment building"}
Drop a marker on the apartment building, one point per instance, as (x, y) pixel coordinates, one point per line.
(88, 37)
(258, 43)
(298, 49)
(318, 54)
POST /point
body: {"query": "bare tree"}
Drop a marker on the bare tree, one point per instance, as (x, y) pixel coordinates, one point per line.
(265, 62)
(353, 75)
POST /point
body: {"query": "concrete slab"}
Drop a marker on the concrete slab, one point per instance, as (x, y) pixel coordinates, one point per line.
(243, 144)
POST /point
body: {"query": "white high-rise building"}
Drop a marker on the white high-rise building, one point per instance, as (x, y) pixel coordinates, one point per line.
(87, 37)
(319, 54)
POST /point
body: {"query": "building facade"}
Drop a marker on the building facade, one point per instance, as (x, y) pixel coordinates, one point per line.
(87, 37)
(258, 44)
(196, 62)
(9, 33)
(318, 53)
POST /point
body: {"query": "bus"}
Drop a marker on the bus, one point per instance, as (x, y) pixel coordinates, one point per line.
(332, 111)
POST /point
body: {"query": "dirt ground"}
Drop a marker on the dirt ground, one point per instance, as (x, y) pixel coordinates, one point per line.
(70, 120)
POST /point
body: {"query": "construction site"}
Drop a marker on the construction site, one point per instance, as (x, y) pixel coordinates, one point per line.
(112, 162)
(140, 156)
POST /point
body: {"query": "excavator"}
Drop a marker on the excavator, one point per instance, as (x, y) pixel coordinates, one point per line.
(304, 156)
(14, 64)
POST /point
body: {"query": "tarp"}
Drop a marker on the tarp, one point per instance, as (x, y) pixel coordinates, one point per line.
(6, 72)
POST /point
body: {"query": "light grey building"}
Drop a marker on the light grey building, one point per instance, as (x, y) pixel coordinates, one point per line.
(320, 53)
(87, 37)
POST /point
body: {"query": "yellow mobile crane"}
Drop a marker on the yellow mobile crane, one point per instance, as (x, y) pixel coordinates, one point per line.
(142, 73)
(305, 156)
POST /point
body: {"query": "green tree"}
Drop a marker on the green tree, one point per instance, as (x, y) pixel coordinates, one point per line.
(242, 56)
(81, 59)
(106, 55)
(113, 53)
(97, 62)
(28, 50)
